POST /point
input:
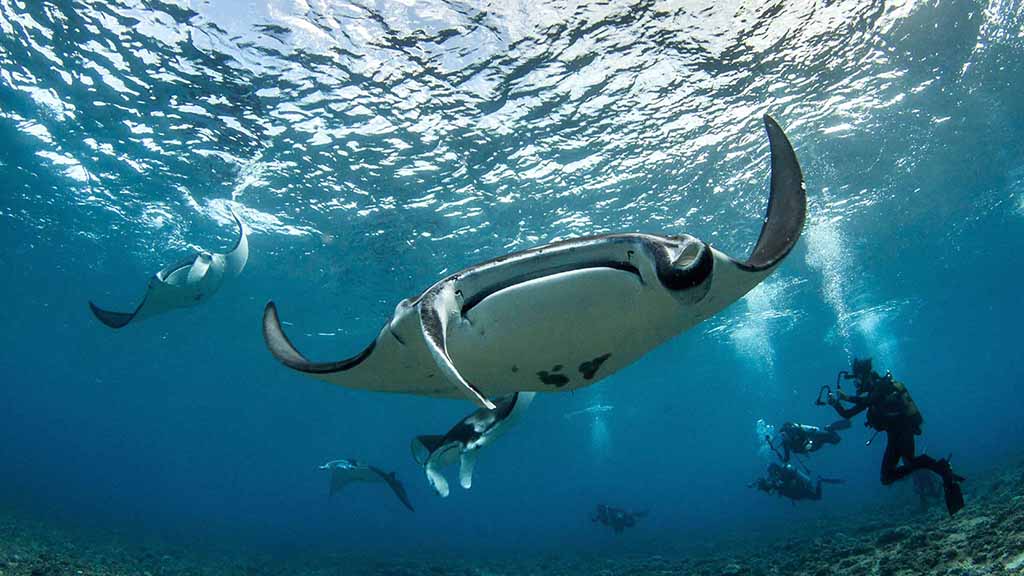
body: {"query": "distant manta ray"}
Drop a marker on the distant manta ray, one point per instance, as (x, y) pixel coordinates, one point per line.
(345, 472)
(564, 315)
(184, 283)
(595, 409)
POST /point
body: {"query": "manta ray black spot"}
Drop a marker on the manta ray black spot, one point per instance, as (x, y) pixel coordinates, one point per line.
(556, 380)
(515, 368)
(590, 368)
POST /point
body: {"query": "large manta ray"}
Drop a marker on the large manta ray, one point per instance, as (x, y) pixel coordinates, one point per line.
(564, 315)
(184, 283)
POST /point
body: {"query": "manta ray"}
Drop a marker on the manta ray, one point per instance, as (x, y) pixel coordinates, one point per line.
(185, 283)
(345, 472)
(563, 315)
(465, 439)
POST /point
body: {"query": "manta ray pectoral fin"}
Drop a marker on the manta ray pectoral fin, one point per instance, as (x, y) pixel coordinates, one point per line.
(113, 319)
(435, 310)
(467, 462)
(235, 259)
(391, 479)
(787, 203)
(282, 349)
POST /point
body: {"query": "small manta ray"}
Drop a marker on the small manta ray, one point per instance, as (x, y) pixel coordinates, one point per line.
(564, 315)
(464, 440)
(184, 284)
(595, 410)
(345, 472)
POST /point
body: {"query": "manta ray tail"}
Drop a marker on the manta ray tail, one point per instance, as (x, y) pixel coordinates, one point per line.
(434, 313)
(113, 319)
(787, 203)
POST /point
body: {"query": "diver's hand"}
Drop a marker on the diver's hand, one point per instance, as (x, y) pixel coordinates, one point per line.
(832, 401)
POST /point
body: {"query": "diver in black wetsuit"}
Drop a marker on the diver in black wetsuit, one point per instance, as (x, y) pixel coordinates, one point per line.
(616, 518)
(788, 482)
(890, 409)
(804, 439)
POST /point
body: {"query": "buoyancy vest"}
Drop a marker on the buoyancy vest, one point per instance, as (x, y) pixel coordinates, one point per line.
(893, 408)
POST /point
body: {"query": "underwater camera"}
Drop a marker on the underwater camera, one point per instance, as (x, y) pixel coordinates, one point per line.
(842, 375)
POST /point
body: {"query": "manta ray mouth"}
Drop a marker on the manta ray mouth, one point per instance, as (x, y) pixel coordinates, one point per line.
(481, 295)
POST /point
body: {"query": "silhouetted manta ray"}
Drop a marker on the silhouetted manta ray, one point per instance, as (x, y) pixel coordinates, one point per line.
(184, 284)
(345, 472)
(563, 315)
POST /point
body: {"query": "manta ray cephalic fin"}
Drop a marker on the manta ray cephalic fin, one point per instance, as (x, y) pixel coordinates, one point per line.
(466, 465)
(200, 267)
(435, 309)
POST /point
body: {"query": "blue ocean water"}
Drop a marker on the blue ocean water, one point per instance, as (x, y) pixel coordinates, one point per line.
(373, 147)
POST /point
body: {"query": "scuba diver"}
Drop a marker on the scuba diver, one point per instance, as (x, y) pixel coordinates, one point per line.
(890, 409)
(788, 482)
(616, 518)
(804, 439)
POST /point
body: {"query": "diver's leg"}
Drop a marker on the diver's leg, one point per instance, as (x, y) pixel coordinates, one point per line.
(817, 491)
(890, 459)
(902, 444)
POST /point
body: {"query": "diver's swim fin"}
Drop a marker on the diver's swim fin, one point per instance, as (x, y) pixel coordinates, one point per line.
(954, 496)
(951, 486)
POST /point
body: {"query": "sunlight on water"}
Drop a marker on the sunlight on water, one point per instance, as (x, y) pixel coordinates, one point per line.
(600, 439)
(766, 306)
(768, 315)
(596, 415)
(826, 253)
(861, 331)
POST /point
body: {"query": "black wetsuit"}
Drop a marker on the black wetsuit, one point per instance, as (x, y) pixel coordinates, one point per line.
(804, 439)
(788, 482)
(891, 410)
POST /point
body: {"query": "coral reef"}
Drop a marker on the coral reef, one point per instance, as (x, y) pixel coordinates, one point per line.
(986, 538)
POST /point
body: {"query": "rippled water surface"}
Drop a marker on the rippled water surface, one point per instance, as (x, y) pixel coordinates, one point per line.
(372, 147)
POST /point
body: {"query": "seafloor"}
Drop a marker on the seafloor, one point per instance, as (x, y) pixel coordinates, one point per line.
(986, 538)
